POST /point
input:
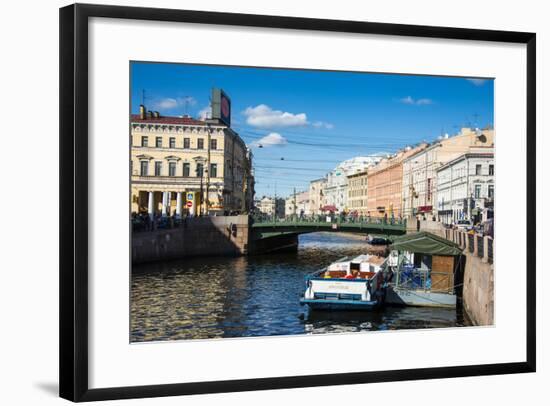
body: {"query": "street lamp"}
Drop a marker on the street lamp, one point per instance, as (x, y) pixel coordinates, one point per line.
(208, 146)
(199, 160)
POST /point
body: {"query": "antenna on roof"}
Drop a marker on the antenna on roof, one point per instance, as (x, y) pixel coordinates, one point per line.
(143, 97)
(186, 100)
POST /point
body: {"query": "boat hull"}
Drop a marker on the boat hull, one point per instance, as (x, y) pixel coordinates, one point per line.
(411, 297)
(338, 304)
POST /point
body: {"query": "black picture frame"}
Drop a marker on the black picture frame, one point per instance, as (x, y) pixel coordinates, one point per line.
(73, 180)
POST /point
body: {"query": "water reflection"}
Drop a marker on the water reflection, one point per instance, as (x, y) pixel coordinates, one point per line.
(200, 298)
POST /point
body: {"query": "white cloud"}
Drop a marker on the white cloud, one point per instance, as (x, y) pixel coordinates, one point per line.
(165, 104)
(416, 102)
(264, 116)
(323, 124)
(477, 82)
(170, 103)
(205, 113)
(271, 139)
(421, 102)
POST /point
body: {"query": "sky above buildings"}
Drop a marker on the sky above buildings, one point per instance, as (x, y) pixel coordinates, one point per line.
(301, 123)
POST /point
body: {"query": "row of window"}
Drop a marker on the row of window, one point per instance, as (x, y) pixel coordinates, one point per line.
(172, 167)
(457, 172)
(491, 169)
(358, 203)
(172, 142)
(358, 182)
(477, 194)
(490, 191)
(357, 192)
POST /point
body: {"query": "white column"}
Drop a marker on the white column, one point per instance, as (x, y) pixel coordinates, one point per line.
(164, 203)
(178, 204)
(150, 209)
(169, 203)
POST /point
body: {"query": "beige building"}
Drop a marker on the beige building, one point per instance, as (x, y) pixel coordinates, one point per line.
(181, 165)
(272, 206)
(298, 204)
(336, 189)
(419, 193)
(317, 195)
(385, 184)
(357, 193)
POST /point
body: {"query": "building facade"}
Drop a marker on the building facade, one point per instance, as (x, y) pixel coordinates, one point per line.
(385, 183)
(180, 165)
(336, 190)
(420, 170)
(358, 193)
(271, 206)
(298, 204)
(317, 195)
(465, 187)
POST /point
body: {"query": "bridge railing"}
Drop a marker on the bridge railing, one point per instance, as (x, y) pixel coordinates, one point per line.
(320, 219)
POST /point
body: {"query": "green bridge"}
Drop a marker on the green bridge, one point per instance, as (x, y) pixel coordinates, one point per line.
(269, 229)
(267, 236)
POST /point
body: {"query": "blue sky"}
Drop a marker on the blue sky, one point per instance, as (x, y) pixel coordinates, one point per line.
(315, 119)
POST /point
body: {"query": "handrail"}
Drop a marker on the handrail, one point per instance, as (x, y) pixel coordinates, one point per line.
(321, 220)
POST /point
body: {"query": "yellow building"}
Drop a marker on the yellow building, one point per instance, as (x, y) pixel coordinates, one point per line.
(357, 193)
(316, 195)
(180, 165)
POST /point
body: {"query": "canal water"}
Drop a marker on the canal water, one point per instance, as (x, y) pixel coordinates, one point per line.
(202, 298)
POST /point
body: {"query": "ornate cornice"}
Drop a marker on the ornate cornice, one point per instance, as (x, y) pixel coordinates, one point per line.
(144, 156)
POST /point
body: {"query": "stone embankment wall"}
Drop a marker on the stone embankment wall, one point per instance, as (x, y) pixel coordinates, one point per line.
(208, 236)
(478, 292)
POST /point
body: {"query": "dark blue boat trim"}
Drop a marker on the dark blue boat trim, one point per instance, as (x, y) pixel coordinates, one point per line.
(339, 304)
(337, 296)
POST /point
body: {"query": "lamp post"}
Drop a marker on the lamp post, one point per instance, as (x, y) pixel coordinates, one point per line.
(412, 190)
(208, 145)
(199, 160)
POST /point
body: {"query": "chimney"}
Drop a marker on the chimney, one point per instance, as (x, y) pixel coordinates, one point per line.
(156, 114)
(142, 112)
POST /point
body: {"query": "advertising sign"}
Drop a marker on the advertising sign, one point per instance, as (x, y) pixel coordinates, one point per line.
(221, 106)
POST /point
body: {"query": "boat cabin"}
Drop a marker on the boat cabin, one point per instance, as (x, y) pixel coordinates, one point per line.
(426, 261)
(363, 266)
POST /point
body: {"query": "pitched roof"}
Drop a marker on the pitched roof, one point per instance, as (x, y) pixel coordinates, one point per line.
(426, 243)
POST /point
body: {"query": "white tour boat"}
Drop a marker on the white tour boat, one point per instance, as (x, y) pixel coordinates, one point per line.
(356, 284)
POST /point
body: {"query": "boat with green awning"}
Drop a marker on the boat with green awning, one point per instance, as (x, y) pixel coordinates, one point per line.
(424, 268)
